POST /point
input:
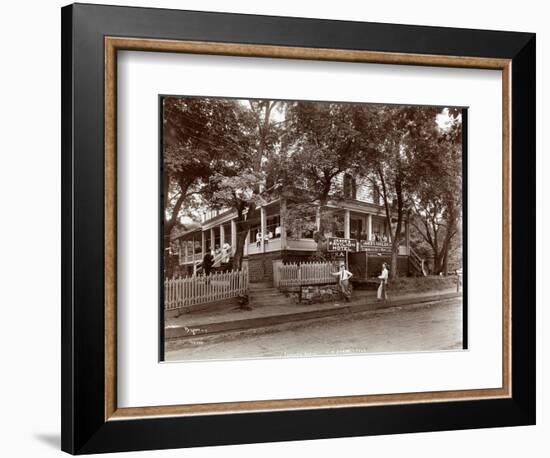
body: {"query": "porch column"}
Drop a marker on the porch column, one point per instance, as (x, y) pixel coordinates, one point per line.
(222, 235)
(233, 236)
(185, 249)
(369, 226)
(282, 224)
(212, 239)
(318, 218)
(194, 256)
(203, 244)
(246, 242)
(346, 224)
(262, 228)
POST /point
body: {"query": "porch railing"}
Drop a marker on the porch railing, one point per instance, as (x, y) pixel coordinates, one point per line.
(308, 273)
(181, 292)
(189, 258)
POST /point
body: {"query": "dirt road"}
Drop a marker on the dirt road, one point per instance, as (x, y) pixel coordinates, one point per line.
(428, 328)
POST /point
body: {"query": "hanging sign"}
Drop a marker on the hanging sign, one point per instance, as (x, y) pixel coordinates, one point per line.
(370, 246)
(342, 245)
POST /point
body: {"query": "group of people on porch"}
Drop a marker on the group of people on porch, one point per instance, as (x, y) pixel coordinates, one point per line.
(267, 236)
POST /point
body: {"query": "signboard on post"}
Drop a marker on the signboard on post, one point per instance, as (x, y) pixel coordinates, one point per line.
(341, 246)
(370, 246)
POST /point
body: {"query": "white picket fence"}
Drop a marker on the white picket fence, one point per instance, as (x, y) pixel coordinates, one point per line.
(180, 292)
(307, 273)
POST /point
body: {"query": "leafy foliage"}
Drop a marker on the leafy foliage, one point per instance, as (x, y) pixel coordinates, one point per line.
(242, 154)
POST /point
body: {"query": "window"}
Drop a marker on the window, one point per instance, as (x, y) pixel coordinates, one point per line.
(350, 187)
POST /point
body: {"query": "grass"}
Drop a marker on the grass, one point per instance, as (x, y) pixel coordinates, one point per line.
(430, 283)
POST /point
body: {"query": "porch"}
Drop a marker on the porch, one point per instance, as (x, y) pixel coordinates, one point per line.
(365, 223)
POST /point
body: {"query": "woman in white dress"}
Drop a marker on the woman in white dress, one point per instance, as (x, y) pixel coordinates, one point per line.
(226, 250)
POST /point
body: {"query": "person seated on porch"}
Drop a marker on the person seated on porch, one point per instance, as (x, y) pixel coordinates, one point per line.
(226, 253)
(277, 232)
(268, 237)
(343, 281)
(258, 239)
(384, 238)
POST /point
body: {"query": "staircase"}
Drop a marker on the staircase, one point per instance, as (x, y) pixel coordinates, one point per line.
(417, 263)
(265, 294)
(217, 266)
(223, 267)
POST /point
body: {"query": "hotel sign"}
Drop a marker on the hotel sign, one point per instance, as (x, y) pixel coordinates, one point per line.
(341, 245)
(370, 246)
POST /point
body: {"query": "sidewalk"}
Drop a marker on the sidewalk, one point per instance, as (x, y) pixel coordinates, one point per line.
(203, 323)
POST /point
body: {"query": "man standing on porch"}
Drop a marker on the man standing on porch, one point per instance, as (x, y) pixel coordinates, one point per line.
(343, 280)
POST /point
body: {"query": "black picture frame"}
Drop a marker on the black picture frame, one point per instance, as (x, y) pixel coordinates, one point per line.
(84, 426)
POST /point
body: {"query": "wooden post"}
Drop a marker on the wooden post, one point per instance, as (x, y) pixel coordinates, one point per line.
(369, 226)
(407, 236)
(318, 218)
(212, 239)
(262, 229)
(203, 244)
(347, 264)
(233, 236)
(346, 224)
(222, 236)
(282, 223)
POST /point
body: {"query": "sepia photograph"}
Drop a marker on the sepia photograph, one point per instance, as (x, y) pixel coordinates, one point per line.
(299, 228)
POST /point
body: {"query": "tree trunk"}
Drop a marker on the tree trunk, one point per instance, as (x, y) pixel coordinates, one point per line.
(239, 249)
(172, 221)
(446, 261)
(396, 239)
(321, 239)
(243, 228)
(437, 263)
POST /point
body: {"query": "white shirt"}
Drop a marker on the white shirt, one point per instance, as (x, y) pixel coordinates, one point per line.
(384, 275)
(343, 274)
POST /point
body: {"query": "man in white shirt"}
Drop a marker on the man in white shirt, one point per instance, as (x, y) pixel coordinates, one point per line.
(381, 293)
(343, 281)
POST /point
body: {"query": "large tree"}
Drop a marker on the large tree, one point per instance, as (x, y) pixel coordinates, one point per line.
(244, 184)
(199, 134)
(321, 145)
(437, 203)
(396, 143)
